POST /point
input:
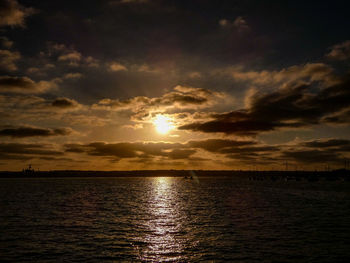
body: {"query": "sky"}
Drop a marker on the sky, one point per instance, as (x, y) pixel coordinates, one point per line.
(162, 84)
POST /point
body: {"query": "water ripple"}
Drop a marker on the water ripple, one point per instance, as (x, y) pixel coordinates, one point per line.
(173, 220)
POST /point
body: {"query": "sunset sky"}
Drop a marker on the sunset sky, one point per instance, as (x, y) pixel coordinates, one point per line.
(161, 84)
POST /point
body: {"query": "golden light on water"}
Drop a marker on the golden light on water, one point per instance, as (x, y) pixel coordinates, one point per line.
(163, 124)
(165, 222)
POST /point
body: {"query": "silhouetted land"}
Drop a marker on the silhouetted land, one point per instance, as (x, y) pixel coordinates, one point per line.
(341, 174)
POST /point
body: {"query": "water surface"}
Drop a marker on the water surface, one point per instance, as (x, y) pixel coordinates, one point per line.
(173, 219)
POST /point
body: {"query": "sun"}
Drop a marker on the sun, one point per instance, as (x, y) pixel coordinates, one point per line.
(163, 124)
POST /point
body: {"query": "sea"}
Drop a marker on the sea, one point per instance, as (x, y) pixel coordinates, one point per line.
(172, 219)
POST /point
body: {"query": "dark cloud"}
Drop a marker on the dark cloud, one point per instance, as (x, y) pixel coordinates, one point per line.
(248, 153)
(132, 150)
(63, 58)
(293, 107)
(22, 109)
(331, 145)
(217, 145)
(242, 152)
(249, 150)
(313, 156)
(10, 157)
(240, 24)
(28, 149)
(72, 76)
(173, 151)
(62, 159)
(340, 51)
(252, 160)
(251, 157)
(24, 85)
(72, 57)
(119, 150)
(180, 97)
(8, 60)
(296, 74)
(13, 14)
(22, 132)
(23, 151)
(115, 66)
(228, 126)
(326, 143)
(180, 154)
(64, 103)
(153, 149)
(5, 42)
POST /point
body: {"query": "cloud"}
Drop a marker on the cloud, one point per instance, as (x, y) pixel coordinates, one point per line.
(40, 70)
(29, 104)
(5, 42)
(13, 14)
(313, 156)
(218, 145)
(331, 145)
(249, 150)
(115, 66)
(180, 97)
(91, 62)
(159, 151)
(195, 75)
(30, 109)
(34, 70)
(340, 51)
(180, 154)
(28, 149)
(224, 22)
(73, 76)
(65, 103)
(11, 157)
(236, 122)
(8, 60)
(341, 117)
(68, 55)
(132, 149)
(73, 57)
(142, 109)
(23, 132)
(240, 24)
(293, 107)
(60, 159)
(24, 151)
(232, 152)
(326, 143)
(309, 72)
(146, 69)
(24, 85)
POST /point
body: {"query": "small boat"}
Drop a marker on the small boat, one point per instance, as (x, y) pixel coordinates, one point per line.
(192, 176)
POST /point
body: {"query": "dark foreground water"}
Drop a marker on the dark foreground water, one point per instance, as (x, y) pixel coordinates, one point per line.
(173, 219)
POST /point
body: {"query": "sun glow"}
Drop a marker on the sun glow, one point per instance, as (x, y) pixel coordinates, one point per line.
(163, 124)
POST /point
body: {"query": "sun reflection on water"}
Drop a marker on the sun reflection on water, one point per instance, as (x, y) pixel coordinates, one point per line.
(165, 222)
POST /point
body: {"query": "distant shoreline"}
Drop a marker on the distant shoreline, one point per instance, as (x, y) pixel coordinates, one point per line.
(254, 175)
